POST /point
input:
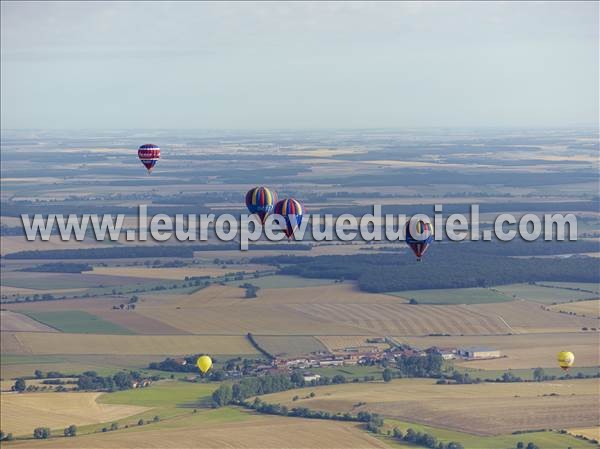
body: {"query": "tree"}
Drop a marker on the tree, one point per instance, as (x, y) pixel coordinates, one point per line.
(297, 378)
(338, 379)
(38, 374)
(122, 380)
(156, 418)
(20, 385)
(41, 433)
(222, 395)
(71, 431)
(141, 422)
(539, 374)
(114, 426)
(387, 375)
(520, 445)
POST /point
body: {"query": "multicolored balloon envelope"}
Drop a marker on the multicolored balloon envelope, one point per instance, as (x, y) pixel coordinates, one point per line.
(292, 212)
(261, 201)
(204, 363)
(421, 237)
(149, 154)
(565, 360)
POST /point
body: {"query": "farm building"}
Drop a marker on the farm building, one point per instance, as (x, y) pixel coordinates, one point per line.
(446, 353)
(478, 352)
(309, 377)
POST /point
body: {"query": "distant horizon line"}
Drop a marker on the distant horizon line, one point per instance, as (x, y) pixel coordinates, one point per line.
(595, 127)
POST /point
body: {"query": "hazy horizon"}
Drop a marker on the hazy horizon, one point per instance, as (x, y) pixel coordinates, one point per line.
(299, 66)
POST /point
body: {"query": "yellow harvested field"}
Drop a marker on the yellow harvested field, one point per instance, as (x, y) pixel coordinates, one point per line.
(18, 291)
(346, 293)
(224, 310)
(14, 244)
(593, 433)
(399, 318)
(525, 317)
(521, 351)
(11, 321)
(589, 308)
(338, 342)
(9, 344)
(264, 432)
(89, 344)
(336, 309)
(175, 273)
(21, 413)
(7, 384)
(487, 408)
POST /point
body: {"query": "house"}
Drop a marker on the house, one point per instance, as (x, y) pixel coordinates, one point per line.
(335, 361)
(309, 377)
(478, 352)
(446, 353)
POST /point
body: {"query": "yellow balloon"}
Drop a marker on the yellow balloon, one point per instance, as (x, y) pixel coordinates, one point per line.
(565, 359)
(204, 363)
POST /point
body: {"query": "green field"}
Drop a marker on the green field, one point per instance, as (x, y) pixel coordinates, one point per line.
(289, 346)
(544, 295)
(454, 296)
(544, 440)
(595, 288)
(174, 402)
(282, 281)
(172, 394)
(350, 372)
(78, 322)
(526, 374)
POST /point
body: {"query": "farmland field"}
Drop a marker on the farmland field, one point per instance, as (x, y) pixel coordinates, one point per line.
(174, 273)
(102, 308)
(483, 409)
(250, 432)
(544, 439)
(21, 413)
(337, 309)
(404, 319)
(454, 296)
(589, 308)
(78, 322)
(521, 351)
(284, 346)
(595, 288)
(89, 344)
(339, 342)
(11, 321)
(592, 433)
(282, 281)
(530, 317)
(106, 364)
(60, 281)
(544, 295)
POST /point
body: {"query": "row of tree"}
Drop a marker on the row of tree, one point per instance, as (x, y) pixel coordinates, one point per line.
(423, 439)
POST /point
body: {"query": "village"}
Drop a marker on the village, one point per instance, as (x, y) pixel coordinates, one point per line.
(369, 355)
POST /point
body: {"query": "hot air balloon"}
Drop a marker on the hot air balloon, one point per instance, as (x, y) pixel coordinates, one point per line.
(204, 363)
(421, 242)
(565, 359)
(292, 211)
(149, 154)
(261, 201)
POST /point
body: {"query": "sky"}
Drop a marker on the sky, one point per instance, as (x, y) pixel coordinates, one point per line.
(269, 65)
